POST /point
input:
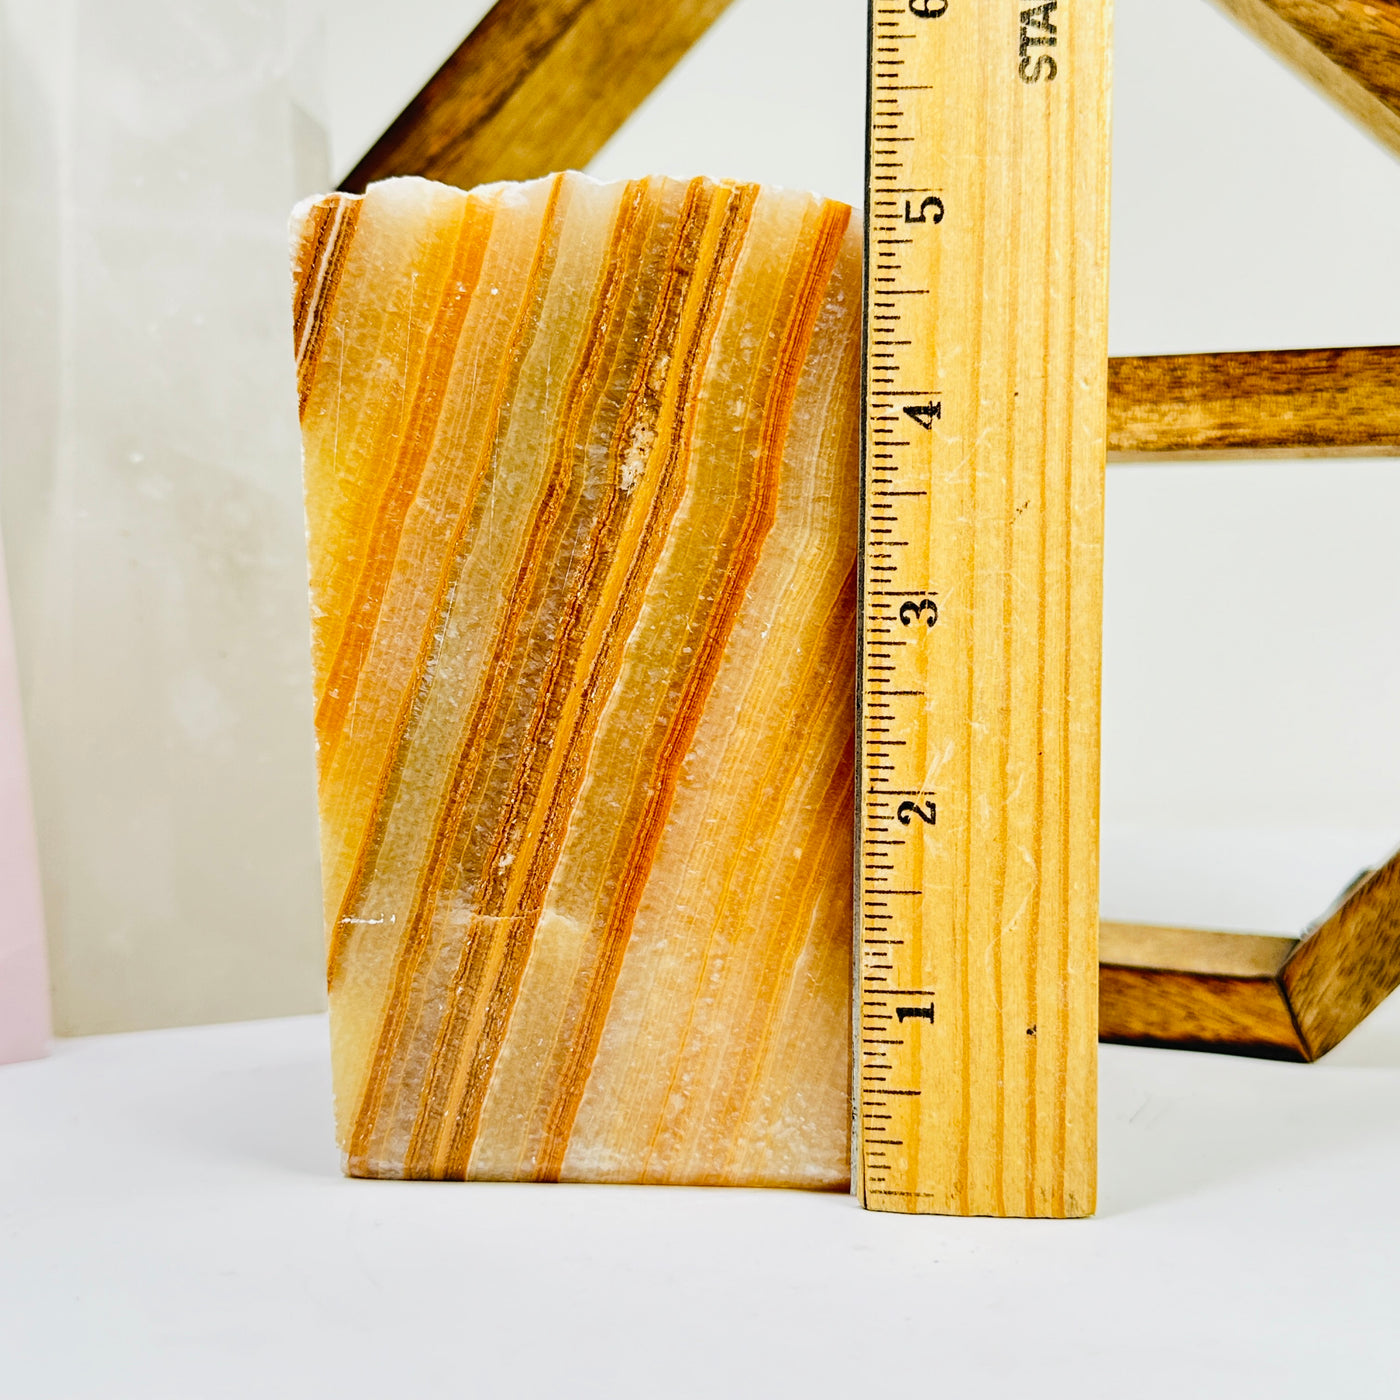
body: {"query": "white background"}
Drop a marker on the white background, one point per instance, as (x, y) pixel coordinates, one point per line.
(1252, 636)
(172, 1222)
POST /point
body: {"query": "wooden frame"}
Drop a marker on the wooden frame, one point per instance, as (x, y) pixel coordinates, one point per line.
(1252, 994)
(1348, 49)
(538, 85)
(1264, 403)
(541, 85)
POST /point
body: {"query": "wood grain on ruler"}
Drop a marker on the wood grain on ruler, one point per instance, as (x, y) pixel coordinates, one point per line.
(1283, 403)
(1350, 49)
(537, 86)
(984, 474)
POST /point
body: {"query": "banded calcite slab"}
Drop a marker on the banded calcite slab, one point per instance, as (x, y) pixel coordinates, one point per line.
(580, 470)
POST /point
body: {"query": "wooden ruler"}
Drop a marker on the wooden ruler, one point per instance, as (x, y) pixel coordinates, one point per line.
(978, 749)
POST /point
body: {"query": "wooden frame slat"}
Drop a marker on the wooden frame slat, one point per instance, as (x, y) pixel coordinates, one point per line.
(1261, 403)
(537, 86)
(1252, 994)
(1349, 963)
(1190, 989)
(1349, 49)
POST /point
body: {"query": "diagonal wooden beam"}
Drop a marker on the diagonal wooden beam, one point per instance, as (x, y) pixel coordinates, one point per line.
(537, 86)
(1250, 994)
(1350, 49)
(1350, 962)
(1262, 403)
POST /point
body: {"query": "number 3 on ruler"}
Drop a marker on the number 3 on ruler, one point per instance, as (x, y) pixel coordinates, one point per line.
(909, 612)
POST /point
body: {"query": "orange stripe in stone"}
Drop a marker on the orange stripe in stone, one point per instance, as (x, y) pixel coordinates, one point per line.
(712, 230)
(492, 944)
(426, 662)
(829, 670)
(400, 1008)
(632, 879)
(320, 260)
(571, 531)
(401, 486)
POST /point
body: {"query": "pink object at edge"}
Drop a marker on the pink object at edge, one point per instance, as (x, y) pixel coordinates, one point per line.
(24, 977)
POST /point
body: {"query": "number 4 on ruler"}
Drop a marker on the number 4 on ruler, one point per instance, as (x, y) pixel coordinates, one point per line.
(924, 413)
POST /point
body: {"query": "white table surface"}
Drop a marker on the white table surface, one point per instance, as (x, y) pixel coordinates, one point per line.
(173, 1224)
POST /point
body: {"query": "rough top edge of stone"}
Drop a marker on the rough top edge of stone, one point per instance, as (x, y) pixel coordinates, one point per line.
(301, 208)
(504, 187)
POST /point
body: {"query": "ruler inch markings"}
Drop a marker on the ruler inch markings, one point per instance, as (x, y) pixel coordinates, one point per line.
(980, 607)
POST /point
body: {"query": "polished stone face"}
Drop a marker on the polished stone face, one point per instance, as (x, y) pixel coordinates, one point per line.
(580, 464)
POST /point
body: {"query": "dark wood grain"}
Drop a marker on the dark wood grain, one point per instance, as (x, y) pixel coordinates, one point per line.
(1349, 963)
(1253, 994)
(537, 86)
(1295, 403)
(1191, 989)
(1349, 49)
